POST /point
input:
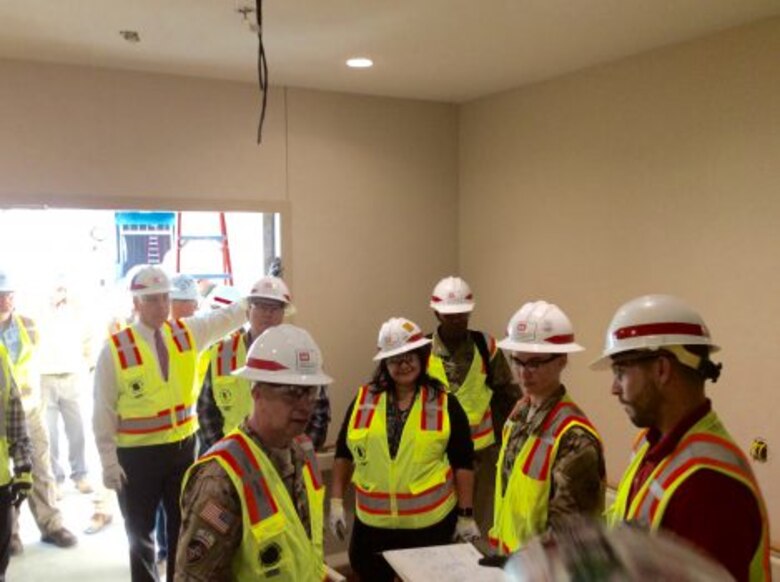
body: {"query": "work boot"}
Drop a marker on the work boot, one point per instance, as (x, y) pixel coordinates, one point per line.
(17, 548)
(61, 538)
(84, 486)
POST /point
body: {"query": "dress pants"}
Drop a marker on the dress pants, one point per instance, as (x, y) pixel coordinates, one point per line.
(154, 475)
(61, 394)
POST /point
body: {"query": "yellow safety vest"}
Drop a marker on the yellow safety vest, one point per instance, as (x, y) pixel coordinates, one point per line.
(5, 399)
(706, 445)
(233, 395)
(151, 410)
(521, 511)
(274, 544)
(29, 390)
(416, 489)
(473, 395)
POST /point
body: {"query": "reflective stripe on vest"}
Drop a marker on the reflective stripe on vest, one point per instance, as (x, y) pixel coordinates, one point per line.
(537, 465)
(179, 335)
(161, 421)
(485, 426)
(128, 353)
(5, 399)
(366, 408)
(310, 456)
(235, 452)
(406, 503)
(432, 417)
(227, 355)
(701, 449)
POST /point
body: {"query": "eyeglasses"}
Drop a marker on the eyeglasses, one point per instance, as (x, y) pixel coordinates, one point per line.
(294, 392)
(407, 358)
(265, 304)
(533, 363)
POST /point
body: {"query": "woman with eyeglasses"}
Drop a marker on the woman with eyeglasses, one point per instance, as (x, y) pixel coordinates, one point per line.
(406, 446)
(551, 463)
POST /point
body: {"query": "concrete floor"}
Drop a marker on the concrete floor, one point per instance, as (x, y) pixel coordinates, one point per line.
(101, 557)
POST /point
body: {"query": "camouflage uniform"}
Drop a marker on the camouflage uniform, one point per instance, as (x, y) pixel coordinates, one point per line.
(578, 473)
(209, 539)
(505, 394)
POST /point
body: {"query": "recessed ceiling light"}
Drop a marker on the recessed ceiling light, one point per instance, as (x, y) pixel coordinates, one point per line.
(360, 63)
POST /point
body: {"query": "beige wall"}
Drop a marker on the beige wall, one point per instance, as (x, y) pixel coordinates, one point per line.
(658, 173)
(367, 186)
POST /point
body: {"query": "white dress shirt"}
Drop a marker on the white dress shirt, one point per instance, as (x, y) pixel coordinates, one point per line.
(205, 329)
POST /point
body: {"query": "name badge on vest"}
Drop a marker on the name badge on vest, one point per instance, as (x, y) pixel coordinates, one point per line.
(269, 557)
(225, 397)
(360, 455)
(137, 387)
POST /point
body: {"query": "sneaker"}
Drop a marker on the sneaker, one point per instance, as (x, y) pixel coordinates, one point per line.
(61, 538)
(98, 522)
(17, 548)
(162, 568)
(84, 486)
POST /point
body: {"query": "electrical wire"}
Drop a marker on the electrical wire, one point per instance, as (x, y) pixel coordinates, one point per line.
(262, 68)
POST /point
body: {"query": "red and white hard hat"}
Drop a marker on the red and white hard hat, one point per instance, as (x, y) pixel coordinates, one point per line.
(651, 322)
(222, 296)
(398, 335)
(452, 295)
(284, 354)
(7, 283)
(149, 280)
(540, 327)
(270, 287)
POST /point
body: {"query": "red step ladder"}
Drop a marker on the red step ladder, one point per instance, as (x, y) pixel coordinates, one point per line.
(222, 238)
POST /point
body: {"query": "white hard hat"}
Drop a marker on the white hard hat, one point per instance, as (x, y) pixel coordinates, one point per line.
(149, 280)
(222, 296)
(284, 354)
(398, 335)
(452, 295)
(184, 288)
(7, 283)
(651, 322)
(270, 287)
(540, 327)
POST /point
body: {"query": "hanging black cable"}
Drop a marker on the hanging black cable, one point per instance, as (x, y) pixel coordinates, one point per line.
(262, 68)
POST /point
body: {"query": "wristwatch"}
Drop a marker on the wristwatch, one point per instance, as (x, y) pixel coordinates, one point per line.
(465, 512)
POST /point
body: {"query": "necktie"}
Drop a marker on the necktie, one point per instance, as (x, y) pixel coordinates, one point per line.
(162, 352)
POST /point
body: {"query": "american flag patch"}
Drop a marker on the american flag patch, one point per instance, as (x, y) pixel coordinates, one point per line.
(217, 517)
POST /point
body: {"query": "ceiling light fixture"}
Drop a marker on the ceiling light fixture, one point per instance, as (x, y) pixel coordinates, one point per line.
(360, 63)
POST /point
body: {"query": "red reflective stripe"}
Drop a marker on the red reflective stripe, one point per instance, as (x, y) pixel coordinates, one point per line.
(359, 416)
(415, 337)
(174, 336)
(668, 328)
(480, 434)
(436, 299)
(233, 360)
(374, 400)
(259, 364)
(254, 513)
(560, 339)
(425, 508)
(530, 458)
(120, 352)
(263, 483)
(131, 335)
(222, 300)
(220, 345)
(160, 414)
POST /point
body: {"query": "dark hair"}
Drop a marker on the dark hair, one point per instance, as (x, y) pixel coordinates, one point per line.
(382, 382)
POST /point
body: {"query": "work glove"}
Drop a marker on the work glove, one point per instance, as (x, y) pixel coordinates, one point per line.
(114, 477)
(337, 520)
(21, 485)
(466, 530)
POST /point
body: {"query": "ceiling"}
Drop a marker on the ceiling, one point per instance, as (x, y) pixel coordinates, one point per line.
(444, 50)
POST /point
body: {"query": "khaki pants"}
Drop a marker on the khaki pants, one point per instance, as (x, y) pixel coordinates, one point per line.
(484, 487)
(42, 498)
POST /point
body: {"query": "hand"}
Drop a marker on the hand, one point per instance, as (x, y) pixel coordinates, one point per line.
(21, 485)
(466, 530)
(114, 477)
(337, 521)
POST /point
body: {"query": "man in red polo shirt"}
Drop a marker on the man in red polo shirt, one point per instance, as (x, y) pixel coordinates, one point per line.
(687, 475)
